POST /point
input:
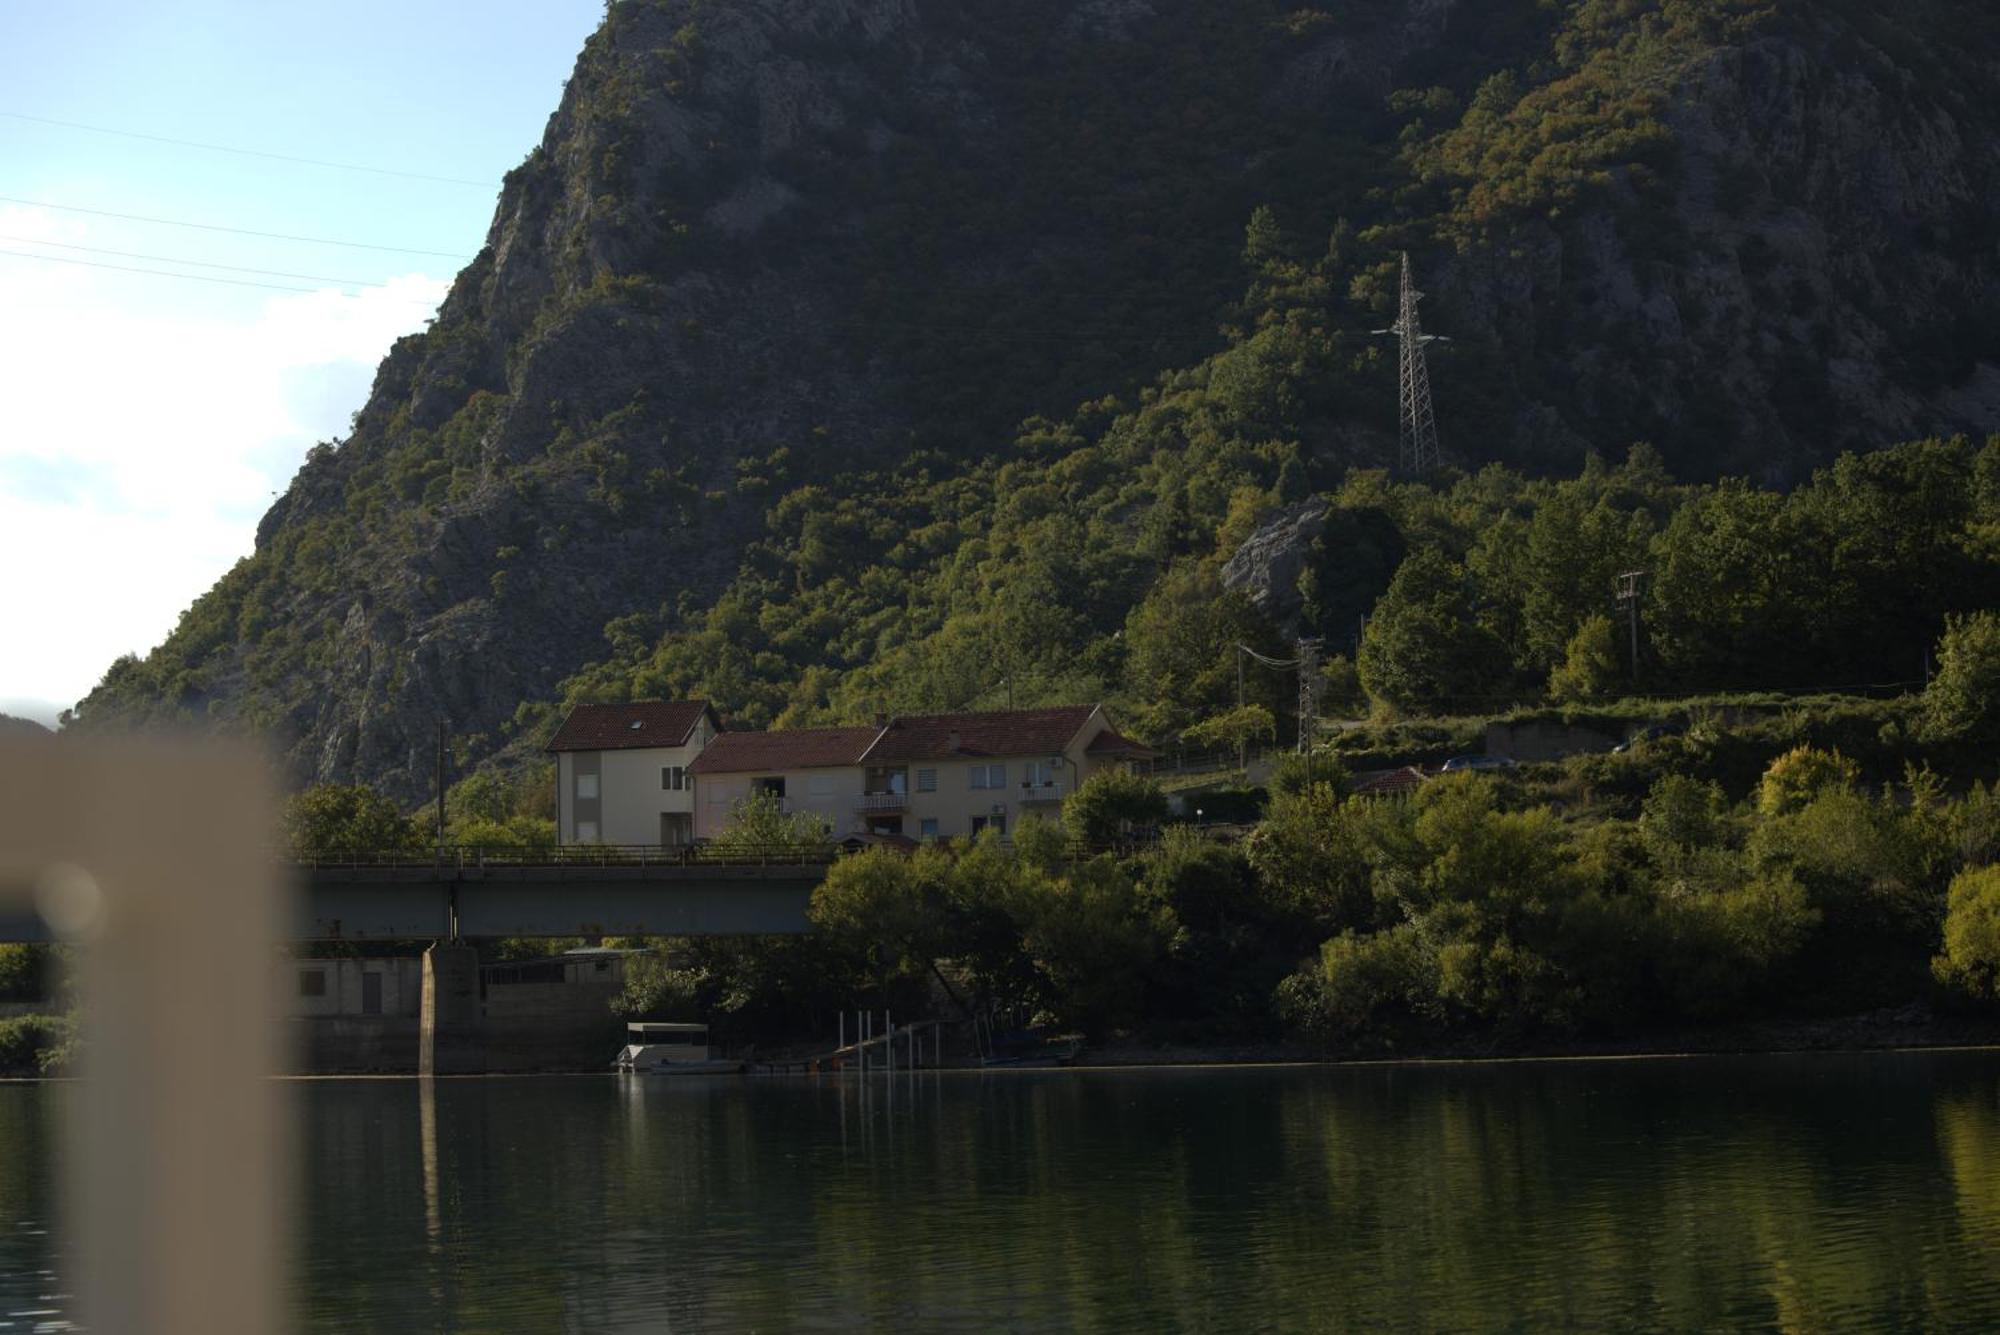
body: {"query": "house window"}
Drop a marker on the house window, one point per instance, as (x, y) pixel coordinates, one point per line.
(989, 776)
(821, 785)
(926, 780)
(674, 778)
(586, 787)
(882, 782)
(774, 786)
(312, 982)
(997, 823)
(1039, 774)
(586, 832)
(927, 829)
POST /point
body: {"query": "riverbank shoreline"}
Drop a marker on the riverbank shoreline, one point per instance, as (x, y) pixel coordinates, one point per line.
(1903, 1029)
(1912, 1029)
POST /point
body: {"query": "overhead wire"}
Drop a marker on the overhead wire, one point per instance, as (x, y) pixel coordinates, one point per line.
(199, 264)
(249, 152)
(235, 231)
(168, 273)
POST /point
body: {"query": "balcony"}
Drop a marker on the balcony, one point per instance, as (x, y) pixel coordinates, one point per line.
(1034, 794)
(877, 803)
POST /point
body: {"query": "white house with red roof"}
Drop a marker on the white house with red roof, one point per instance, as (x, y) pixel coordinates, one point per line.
(622, 771)
(666, 773)
(940, 776)
(807, 769)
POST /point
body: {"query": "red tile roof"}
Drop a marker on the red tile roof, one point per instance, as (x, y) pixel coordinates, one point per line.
(643, 723)
(788, 749)
(1011, 732)
(1389, 783)
(1112, 742)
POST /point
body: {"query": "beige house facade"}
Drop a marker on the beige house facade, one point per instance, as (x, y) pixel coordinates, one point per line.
(950, 776)
(623, 772)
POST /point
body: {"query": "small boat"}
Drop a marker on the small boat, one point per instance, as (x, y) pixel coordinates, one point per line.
(660, 1048)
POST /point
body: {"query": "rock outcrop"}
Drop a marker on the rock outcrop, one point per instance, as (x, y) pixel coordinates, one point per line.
(1267, 567)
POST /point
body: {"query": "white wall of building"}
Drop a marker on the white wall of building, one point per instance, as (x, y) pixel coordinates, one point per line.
(832, 794)
(630, 797)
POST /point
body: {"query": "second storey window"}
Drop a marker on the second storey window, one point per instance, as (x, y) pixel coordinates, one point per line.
(926, 780)
(989, 776)
(674, 778)
(586, 786)
(1039, 774)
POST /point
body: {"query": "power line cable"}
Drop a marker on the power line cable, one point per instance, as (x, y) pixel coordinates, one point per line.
(237, 231)
(249, 152)
(168, 273)
(199, 264)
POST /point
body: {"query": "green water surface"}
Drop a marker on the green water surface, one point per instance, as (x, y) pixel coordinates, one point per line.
(1795, 1193)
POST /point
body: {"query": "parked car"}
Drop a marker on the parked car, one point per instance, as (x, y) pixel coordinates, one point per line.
(1652, 734)
(1460, 763)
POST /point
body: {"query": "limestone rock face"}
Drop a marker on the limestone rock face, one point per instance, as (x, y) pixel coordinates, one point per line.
(1267, 567)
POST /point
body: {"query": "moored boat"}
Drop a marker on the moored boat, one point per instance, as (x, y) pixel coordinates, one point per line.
(667, 1048)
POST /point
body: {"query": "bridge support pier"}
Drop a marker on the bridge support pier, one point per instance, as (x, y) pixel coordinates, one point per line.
(449, 1035)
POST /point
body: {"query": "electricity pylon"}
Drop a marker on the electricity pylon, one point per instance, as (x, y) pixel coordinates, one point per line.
(1418, 433)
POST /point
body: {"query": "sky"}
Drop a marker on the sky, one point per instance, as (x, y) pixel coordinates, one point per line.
(148, 421)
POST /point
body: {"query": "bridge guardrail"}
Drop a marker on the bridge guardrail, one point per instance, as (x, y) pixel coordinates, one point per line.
(574, 855)
(473, 857)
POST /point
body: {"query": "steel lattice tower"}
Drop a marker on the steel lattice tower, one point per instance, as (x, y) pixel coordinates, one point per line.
(1418, 435)
(1309, 651)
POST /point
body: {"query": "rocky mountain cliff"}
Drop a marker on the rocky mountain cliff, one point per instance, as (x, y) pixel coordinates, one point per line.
(775, 253)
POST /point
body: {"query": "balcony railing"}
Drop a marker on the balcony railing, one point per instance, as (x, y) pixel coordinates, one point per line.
(1052, 791)
(869, 802)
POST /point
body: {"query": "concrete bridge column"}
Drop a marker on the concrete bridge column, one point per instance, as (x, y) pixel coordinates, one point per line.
(450, 1039)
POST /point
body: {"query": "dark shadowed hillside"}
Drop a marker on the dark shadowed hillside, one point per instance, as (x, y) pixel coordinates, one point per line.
(733, 399)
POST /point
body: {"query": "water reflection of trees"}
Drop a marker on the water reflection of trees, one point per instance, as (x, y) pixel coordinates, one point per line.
(1796, 1194)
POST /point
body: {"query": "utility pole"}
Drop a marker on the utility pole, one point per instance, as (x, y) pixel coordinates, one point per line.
(440, 790)
(1417, 454)
(1628, 598)
(1243, 743)
(1309, 651)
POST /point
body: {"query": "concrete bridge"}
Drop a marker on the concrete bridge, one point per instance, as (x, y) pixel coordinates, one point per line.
(445, 895)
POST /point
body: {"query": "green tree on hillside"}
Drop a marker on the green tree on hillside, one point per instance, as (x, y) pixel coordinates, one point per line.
(1109, 803)
(1962, 702)
(1591, 668)
(328, 819)
(1970, 961)
(1425, 650)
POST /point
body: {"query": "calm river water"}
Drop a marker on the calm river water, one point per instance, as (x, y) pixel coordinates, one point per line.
(1803, 1193)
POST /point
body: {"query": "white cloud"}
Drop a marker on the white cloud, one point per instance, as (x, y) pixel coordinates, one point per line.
(144, 425)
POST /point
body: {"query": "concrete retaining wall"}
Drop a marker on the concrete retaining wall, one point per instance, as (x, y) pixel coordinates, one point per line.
(1532, 743)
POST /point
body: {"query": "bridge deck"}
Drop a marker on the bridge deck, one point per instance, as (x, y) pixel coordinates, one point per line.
(560, 899)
